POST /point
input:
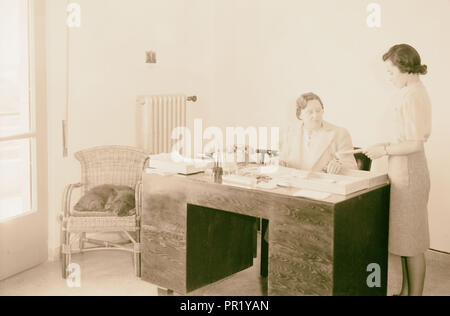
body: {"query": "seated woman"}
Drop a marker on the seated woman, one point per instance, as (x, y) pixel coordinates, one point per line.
(313, 144)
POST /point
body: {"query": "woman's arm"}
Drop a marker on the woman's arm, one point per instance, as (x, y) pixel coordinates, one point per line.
(404, 148)
(381, 144)
(344, 143)
(400, 149)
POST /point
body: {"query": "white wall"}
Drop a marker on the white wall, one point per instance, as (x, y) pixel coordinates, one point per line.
(108, 67)
(247, 60)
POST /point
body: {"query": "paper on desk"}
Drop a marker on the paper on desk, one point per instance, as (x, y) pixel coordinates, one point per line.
(181, 165)
(268, 185)
(239, 180)
(312, 194)
(161, 172)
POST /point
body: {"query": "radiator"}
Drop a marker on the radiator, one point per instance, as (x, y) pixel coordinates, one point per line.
(157, 117)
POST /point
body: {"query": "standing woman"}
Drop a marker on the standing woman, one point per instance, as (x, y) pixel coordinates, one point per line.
(408, 170)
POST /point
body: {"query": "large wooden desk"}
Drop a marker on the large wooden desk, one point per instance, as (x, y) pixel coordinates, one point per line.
(316, 247)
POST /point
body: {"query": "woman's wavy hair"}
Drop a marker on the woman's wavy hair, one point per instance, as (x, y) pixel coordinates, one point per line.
(406, 58)
(303, 100)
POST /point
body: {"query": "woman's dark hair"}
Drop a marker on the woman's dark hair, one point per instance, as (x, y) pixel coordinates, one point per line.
(406, 58)
(303, 100)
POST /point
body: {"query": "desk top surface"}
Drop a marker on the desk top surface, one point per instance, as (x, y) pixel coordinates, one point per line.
(277, 191)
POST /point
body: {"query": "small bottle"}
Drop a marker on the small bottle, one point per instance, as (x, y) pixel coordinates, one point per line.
(218, 173)
(218, 170)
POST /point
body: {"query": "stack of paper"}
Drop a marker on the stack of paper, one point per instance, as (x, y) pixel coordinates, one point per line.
(166, 163)
(375, 178)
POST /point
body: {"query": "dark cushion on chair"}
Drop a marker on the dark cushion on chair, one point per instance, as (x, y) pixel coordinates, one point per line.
(115, 199)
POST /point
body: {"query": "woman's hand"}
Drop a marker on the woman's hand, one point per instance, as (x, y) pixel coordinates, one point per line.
(334, 167)
(375, 152)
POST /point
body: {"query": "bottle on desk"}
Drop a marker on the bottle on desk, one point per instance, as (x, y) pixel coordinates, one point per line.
(218, 173)
(218, 168)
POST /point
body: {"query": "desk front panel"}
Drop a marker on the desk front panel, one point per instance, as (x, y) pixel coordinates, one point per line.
(301, 233)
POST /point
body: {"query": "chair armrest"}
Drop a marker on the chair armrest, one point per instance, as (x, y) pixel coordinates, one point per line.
(138, 198)
(67, 197)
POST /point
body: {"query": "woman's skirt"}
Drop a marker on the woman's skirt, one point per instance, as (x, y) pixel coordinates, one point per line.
(410, 186)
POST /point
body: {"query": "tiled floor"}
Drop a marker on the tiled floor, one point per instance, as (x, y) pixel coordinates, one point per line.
(111, 273)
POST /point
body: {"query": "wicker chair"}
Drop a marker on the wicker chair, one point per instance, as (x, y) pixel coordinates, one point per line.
(116, 165)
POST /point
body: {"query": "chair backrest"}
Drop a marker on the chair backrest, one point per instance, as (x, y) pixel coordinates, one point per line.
(364, 162)
(119, 165)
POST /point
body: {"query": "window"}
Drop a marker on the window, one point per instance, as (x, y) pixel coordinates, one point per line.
(17, 132)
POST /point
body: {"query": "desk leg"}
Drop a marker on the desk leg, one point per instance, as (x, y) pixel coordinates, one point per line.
(255, 237)
(164, 292)
(264, 249)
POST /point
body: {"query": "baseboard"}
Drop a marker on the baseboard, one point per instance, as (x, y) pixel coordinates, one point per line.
(440, 251)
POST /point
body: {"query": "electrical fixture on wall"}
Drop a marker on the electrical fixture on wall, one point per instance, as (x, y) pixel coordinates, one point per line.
(150, 57)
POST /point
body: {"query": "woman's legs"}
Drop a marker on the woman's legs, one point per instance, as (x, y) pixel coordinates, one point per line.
(416, 268)
(404, 291)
